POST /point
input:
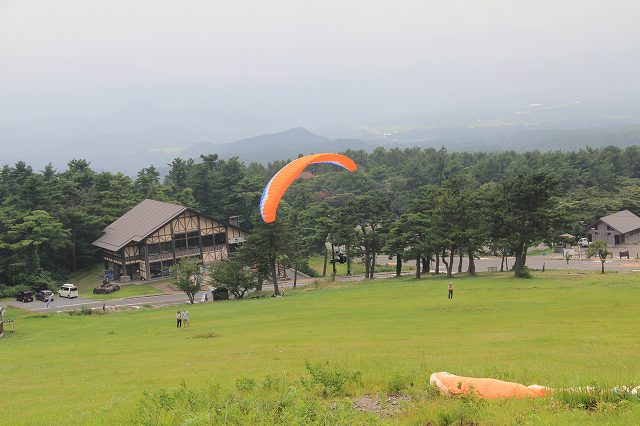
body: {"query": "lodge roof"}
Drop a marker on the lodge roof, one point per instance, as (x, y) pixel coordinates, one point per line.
(623, 221)
(137, 224)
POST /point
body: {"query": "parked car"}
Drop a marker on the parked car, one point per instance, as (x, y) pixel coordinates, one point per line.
(24, 296)
(44, 295)
(106, 288)
(583, 242)
(68, 291)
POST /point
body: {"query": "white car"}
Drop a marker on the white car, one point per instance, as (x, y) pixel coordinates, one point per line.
(68, 291)
(583, 242)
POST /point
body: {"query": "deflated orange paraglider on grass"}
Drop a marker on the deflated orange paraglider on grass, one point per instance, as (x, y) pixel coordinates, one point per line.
(279, 184)
(450, 384)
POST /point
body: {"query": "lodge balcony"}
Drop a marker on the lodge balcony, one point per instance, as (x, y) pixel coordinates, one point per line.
(195, 251)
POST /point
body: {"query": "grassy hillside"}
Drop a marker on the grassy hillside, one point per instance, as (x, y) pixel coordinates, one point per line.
(555, 329)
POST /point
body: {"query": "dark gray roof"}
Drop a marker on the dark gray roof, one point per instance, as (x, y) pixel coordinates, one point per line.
(137, 223)
(623, 221)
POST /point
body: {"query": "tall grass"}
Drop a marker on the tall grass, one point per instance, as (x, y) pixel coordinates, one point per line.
(247, 360)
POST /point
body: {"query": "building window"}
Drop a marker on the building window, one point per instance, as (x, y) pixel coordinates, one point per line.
(608, 228)
(220, 239)
(153, 248)
(180, 240)
(595, 233)
(207, 240)
(192, 239)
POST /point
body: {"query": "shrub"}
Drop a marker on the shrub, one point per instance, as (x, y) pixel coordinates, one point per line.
(43, 280)
(524, 273)
(245, 384)
(308, 270)
(6, 291)
(466, 412)
(37, 316)
(397, 384)
(271, 382)
(207, 335)
(332, 379)
(85, 311)
(597, 398)
(211, 405)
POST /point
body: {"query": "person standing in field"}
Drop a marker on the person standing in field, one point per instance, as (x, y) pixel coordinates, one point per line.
(178, 319)
(450, 290)
(185, 318)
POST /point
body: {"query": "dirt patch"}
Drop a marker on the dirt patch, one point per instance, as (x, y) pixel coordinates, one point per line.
(390, 406)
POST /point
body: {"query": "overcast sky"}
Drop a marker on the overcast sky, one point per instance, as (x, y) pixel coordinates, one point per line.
(97, 56)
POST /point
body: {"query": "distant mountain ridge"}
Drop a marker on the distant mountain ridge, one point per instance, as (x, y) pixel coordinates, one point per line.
(276, 146)
(290, 143)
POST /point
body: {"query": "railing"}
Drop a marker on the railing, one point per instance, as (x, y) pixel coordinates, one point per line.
(188, 252)
(195, 251)
(160, 256)
(215, 247)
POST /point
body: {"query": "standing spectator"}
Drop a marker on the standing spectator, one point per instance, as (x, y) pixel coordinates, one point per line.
(450, 290)
(178, 319)
(185, 318)
(49, 300)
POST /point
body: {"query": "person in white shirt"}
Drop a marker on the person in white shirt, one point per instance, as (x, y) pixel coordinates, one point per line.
(185, 318)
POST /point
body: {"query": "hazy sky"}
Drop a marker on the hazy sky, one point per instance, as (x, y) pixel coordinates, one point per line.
(97, 56)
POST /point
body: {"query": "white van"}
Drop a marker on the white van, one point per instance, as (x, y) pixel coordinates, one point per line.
(583, 242)
(68, 291)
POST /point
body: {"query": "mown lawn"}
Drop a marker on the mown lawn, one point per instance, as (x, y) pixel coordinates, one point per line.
(554, 329)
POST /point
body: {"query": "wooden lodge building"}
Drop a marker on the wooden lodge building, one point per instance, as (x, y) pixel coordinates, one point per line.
(151, 237)
(621, 228)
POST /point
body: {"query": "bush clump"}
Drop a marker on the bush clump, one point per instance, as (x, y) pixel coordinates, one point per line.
(211, 405)
(245, 384)
(85, 311)
(524, 273)
(206, 335)
(596, 398)
(397, 384)
(7, 291)
(332, 380)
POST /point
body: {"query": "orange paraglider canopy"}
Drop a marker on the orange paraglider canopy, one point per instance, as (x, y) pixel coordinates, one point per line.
(278, 184)
(450, 384)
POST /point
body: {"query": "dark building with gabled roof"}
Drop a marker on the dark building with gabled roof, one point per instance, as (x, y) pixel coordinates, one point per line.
(151, 237)
(618, 228)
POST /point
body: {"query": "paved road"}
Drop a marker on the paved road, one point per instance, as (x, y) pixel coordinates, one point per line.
(482, 265)
(536, 262)
(63, 304)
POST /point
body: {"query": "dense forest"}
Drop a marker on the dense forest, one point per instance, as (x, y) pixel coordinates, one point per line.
(418, 204)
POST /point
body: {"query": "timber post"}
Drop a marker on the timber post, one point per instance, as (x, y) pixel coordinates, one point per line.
(173, 242)
(200, 240)
(146, 261)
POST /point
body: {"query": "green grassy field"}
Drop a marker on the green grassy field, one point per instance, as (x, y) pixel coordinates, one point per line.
(554, 329)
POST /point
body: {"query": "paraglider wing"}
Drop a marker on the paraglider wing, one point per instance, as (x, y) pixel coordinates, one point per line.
(278, 184)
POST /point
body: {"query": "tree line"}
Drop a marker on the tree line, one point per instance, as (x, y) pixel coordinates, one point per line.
(425, 205)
